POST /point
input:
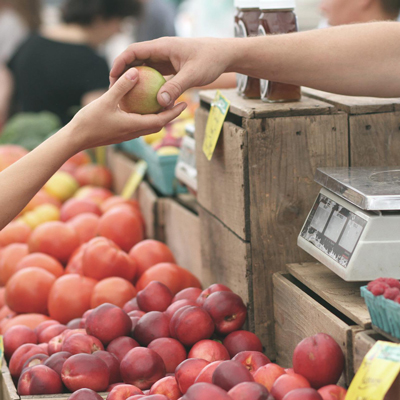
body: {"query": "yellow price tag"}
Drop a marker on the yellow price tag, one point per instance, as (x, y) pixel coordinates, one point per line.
(218, 112)
(376, 375)
(1, 351)
(134, 180)
(101, 155)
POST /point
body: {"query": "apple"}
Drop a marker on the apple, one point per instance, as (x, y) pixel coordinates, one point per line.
(154, 297)
(190, 294)
(142, 99)
(121, 346)
(108, 322)
(216, 287)
(332, 392)
(252, 360)
(76, 344)
(167, 386)
(249, 390)
(170, 311)
(209, 350)
(94, 175)
(202, 391)
(142, 367)
(286, 383)
(268, 374)
(112, 363)
(230, 373)
(56, 361)
(239, 341)
(303, 394)
(85, 394)
(20, 356)
(227, 311)
(153, 325)
(187, 371)
(39, 379)
(207, 372)
(319, 359)
(85, 371)
(122, 392)
(170, 350)
(15, 337)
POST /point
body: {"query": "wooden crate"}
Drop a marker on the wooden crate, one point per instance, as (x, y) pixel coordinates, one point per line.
(259, 187)
(312, 299)
(374, 127)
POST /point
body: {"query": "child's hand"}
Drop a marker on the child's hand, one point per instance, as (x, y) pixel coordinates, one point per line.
(102, 122)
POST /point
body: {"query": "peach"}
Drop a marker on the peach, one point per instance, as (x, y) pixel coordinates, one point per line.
(170, 311)
(191, 324)
(187, 371)
(136, 313)
(230, 373)
(15, 337)
(37, 359)
(20, 356)
(252, 360)
(39, 380)
(239, 341)
(111, 387)
(85, 371)
(44, 347)
(286, 383)
(249, 390)
(202, 391)
(170, 350)
(135, 321)
(207, 372)
(190, 294)
(303, 394)
(153, 325)
(74, 323)
(108, 322)
(142, 367)
(131, 305)
(85, 394)
(121, 346)
(55, 344)
(167, 386)
(154, 297)
(50, 332)
(122, 392)
(209, 350)
(112, 364)
(73, 207)
(319, 359)
(268, 374)
(56, 361)
(332, 392)
(227, 311)
(76, 344)
(43, 325)
(216, 287)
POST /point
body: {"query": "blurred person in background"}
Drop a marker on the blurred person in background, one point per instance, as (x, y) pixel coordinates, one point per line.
(58, 69)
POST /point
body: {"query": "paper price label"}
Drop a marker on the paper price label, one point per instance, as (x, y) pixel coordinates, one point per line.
(218, 112)
(134, 180)
(101, 155)
(378, 371)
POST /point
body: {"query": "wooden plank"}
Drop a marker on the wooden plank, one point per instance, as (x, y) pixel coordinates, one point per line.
(362, 344)
(298, 315)
(375, 139)
(344, 296)
(148, 200)
(181, 229)
(8, 390)
(355, 105)
(283, 156)
(258, 109)
(121, 168)
(387, 336)
(222, 181)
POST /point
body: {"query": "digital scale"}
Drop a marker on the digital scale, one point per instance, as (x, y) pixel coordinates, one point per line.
(354, 226)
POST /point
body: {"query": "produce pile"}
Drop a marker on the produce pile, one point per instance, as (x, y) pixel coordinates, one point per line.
(389, 288)
(89, 305)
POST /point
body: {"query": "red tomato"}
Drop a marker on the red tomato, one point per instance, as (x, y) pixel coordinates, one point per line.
(9, 258)
(113, 290)
(15, 232)
(41, 260)
(73, 207)
(86, 226)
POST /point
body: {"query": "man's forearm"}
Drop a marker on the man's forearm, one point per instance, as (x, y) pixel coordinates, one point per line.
(359, 60)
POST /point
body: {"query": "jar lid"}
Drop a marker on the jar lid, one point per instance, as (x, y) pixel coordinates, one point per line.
(277, 4)
(247, 3)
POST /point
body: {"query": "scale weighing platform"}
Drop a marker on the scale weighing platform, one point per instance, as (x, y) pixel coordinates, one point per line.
(354, 226)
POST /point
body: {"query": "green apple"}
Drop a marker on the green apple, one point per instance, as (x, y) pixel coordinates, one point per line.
(142, 99)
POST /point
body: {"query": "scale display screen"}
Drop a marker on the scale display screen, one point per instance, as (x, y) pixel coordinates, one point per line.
(333, 229)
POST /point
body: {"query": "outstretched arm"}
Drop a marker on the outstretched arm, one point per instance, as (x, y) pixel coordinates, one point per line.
(100, 123)
(360, 60)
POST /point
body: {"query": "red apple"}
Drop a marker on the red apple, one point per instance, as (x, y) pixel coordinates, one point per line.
(187, 371)
(227, 311)
(37, 359)
(209, 350)
(207, 372)
(108, 322)
(122, 392)
(20, 356)
(286, 383)
(85, 371)
(153, 325)
(154, 297)
(121, 346)
(56, 361)
(82, 344)
(170, 311)
(170, 350)
(252, 360)
(190, 294)
(191, 324)
(268, 374)
(142, 367)
(303, 394)
(51, 331)
(332, 392)
(239, 341)
(94, 175)
(230, 373)
(112, 364)
(167, 386)
(39, 380)
(216, 287)
(15, 337)
(85, 394)
(319, 359)
(203, 391)
(249, 390)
